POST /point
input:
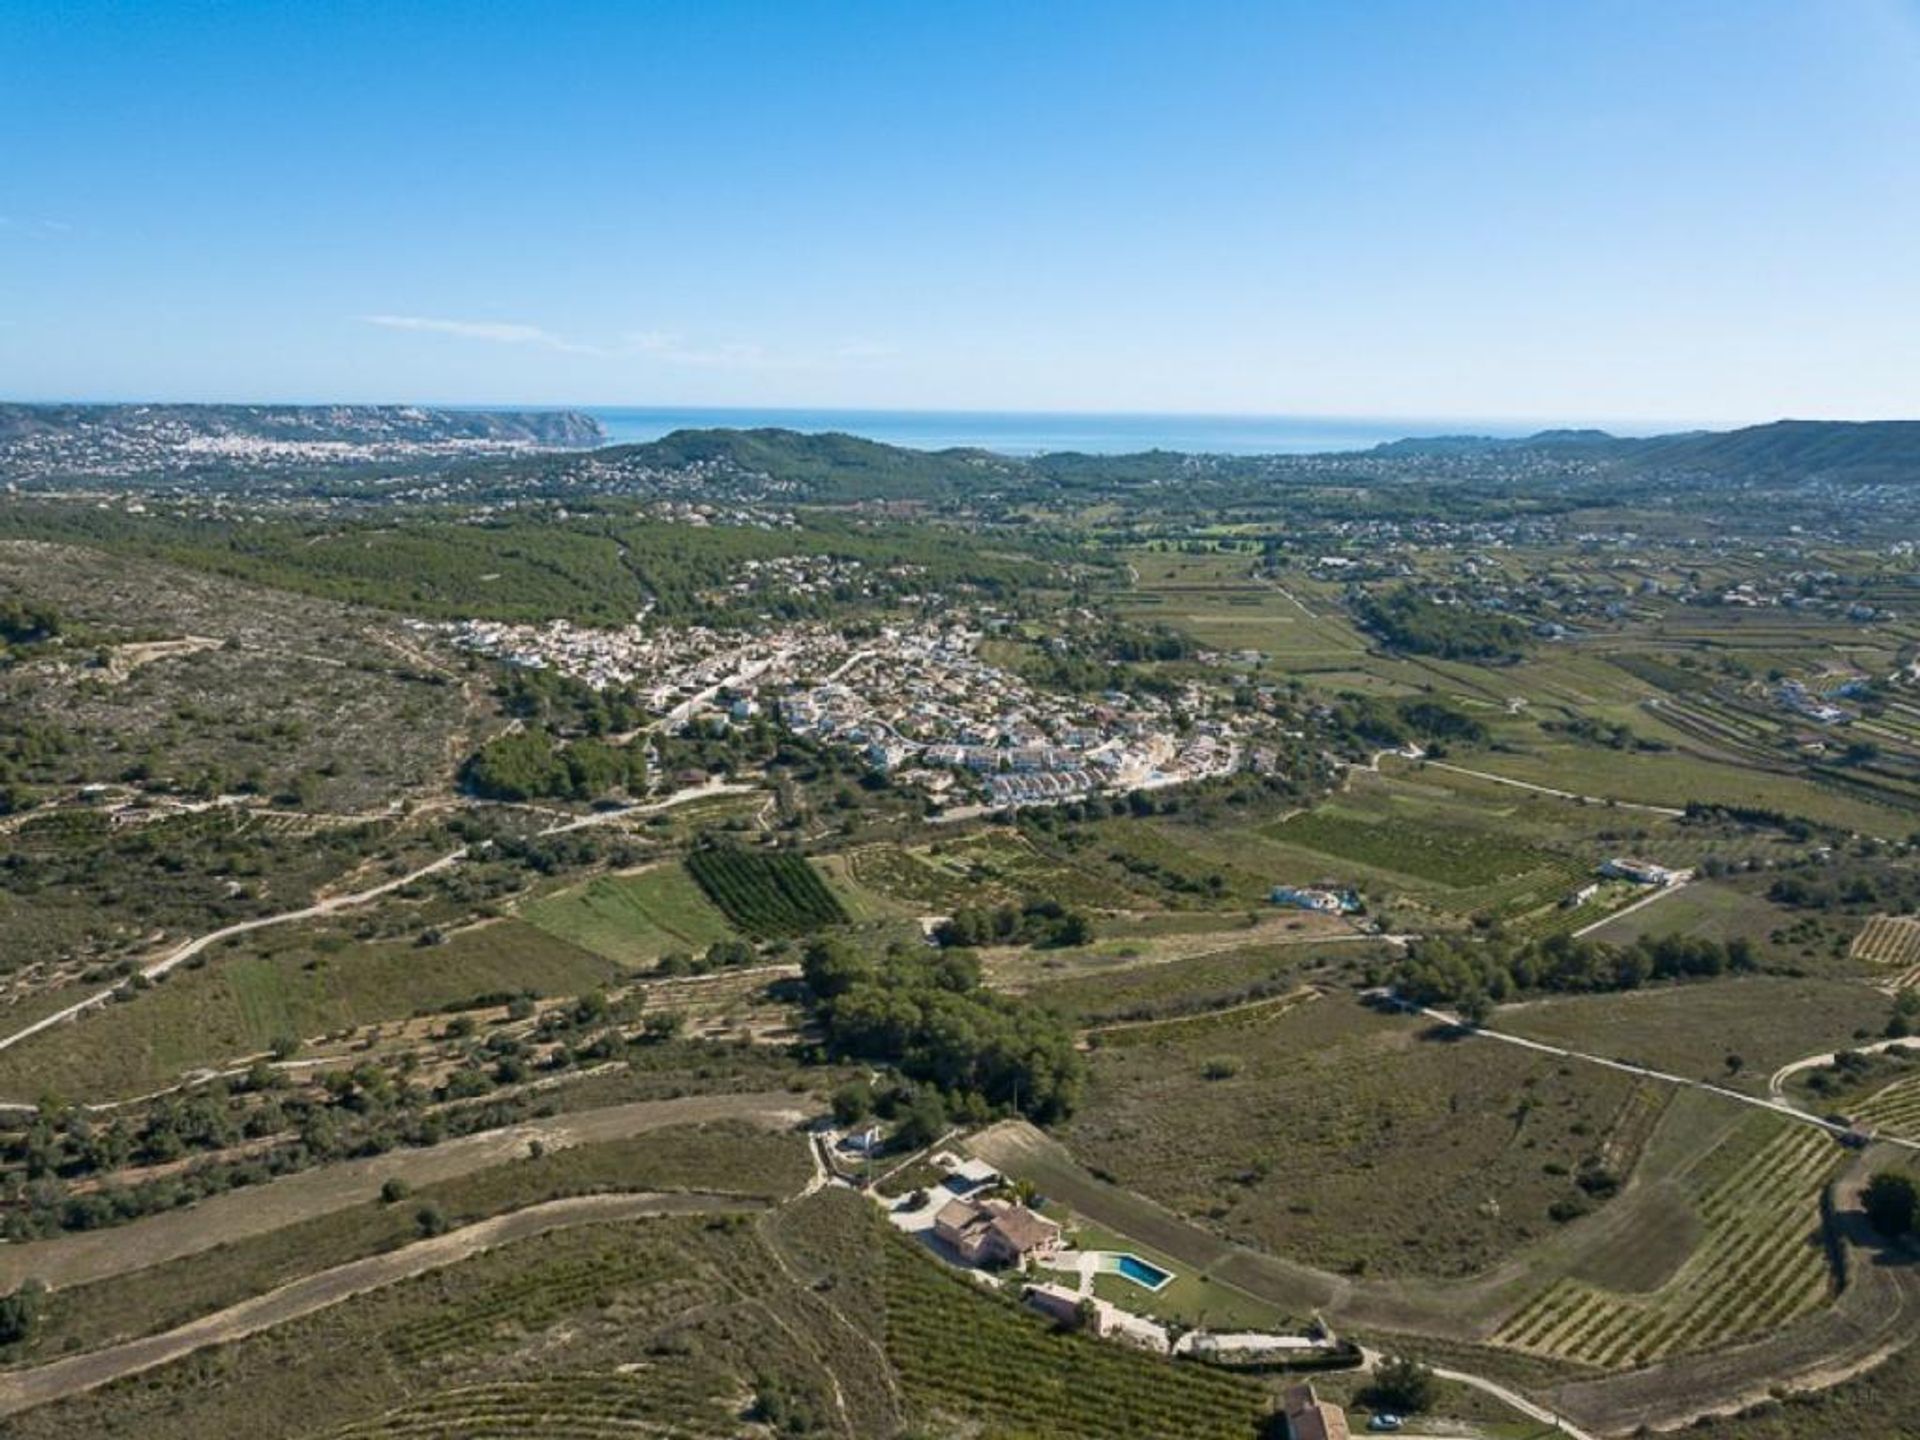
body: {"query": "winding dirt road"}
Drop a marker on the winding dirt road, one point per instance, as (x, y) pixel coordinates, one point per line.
(82, 1257)
(184, 952)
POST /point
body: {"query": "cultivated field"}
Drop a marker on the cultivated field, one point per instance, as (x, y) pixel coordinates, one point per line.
(1698, 1030)
(635, 918)
(1894, 1110)
(1891, 942)
(1760, 1262)
(765, 893)
(999, 1369)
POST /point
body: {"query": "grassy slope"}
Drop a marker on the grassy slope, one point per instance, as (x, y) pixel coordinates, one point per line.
(632, 919)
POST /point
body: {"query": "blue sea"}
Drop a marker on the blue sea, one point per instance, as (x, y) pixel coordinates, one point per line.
(1011, 432)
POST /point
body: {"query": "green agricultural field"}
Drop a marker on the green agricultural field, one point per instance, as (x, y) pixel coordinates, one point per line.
(633, 919)
(1893, 1110)
(1007, 1368)
(1347, 1138)
(920, 881)
(673, 1325)
(1216, 600)
(1708, 909)
(1007, 862)
(236, 1004)
(765, 893)
(1675, 779)
(989, 867)
(1446, 858)
(1760, 1263)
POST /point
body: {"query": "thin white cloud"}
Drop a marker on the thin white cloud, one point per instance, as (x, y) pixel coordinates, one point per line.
(732, 355)
(39, 226)
(654, 345)
(496, 331)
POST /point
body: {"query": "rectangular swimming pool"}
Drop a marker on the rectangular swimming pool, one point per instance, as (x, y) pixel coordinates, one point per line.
(1149, 1277)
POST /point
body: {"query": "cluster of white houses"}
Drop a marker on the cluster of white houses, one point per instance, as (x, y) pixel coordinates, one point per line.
(916, 701)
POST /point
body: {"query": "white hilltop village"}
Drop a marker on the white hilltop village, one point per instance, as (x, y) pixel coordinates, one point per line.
(915, 699)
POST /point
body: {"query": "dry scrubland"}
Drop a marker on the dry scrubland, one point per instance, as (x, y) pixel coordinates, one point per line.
(1349, 1139)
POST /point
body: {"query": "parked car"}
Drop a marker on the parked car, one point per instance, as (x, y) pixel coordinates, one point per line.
(1385, 1423)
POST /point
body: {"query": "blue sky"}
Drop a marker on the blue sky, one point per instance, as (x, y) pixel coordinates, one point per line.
(1601, 210)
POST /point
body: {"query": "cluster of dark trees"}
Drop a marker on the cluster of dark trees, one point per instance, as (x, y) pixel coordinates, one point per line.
(1046, 923)
(1892, 1203)
(20, 1313)
(1475, 974)
(1600, 732)
(560, 702)
(720, 955)
(29, 751)
(928, 1015)
(1410, 621)
(186, 873)
(1759, 817)
(1848, 885)
(1376, 721)
(26, 622)
(527, 765)
(593, 560)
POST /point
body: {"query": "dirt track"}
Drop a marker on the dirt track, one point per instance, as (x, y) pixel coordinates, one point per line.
(1876, 1314)
(22, 1389)
(78, 1259)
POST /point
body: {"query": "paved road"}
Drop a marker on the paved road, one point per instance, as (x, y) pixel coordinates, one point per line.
(182, 953)
(749, 671)
(22, 1389)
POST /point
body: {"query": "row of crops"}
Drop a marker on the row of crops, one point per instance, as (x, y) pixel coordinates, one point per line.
(769, 893)
(1889, 940)
(1895, 1110)
(1759, 1264)
(961, 1353)
(673, 1399)
(534, 1298)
